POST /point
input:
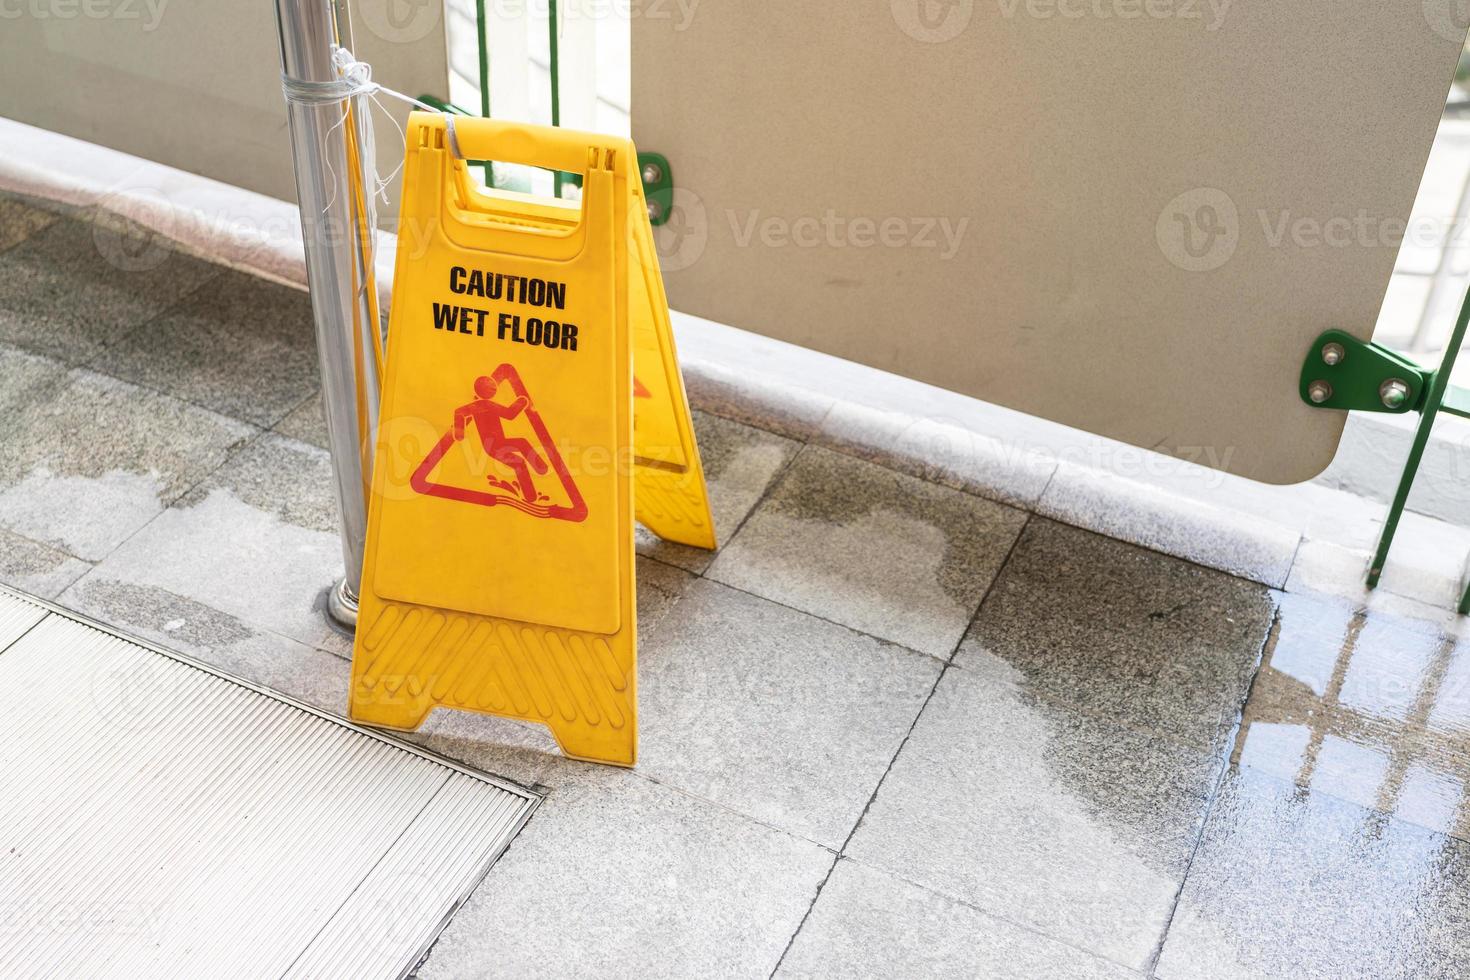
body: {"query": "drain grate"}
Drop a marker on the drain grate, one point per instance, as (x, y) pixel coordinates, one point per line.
(161, 819)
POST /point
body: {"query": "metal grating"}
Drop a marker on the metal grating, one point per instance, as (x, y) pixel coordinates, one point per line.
(162, 819)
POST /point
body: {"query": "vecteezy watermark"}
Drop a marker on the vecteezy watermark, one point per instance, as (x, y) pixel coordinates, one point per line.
(833, 230)
(1361, 229)
(127, 246)
(679, 12)
(399, 21)
(681, 240)
(1211, 13)
(1199, 230)
(394, 917)
(37, 915)
(138, 228)
(932, 21)
(1447, 18)
(937, 21)
(406, 21)
(149, 12)
(126, 692)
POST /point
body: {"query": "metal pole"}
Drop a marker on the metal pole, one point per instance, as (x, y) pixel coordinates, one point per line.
(339, 272)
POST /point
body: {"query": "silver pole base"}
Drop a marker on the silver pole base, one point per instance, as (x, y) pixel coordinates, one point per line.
(342, 605)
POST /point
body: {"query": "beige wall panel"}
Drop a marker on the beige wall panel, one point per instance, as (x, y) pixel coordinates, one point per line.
(195, 84)
(1069, 147)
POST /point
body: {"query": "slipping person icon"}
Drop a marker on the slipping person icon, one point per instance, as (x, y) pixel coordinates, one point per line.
(489, 417)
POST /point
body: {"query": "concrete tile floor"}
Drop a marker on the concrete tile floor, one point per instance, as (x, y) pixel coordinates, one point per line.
(904, 559)
(236, 345)
(898, 726)
(72, 288)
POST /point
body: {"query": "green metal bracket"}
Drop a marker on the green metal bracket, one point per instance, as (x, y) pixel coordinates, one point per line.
(1346, 373)
(658, 186)
(1456, 401)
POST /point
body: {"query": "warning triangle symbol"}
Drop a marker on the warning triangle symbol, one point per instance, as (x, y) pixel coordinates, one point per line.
(508, 458)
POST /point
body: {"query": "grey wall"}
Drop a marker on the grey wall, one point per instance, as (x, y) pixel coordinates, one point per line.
(192, 83)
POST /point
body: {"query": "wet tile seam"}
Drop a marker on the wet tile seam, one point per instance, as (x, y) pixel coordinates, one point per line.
(274, 426)
(228, 455)
(127, 330)
(754, 405)
(94, 367)
(230, 452)
(1026, 507)
(130, 330)
(1224, 764)
(942, 661)
(1296, 553)
(992, 914)
(71, 368)
(778, 478)
(878, 786)
(57, 547)
(1172, 557)
(725, 808)
(771, 487)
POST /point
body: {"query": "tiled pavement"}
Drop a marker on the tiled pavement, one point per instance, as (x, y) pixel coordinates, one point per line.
(894, 727)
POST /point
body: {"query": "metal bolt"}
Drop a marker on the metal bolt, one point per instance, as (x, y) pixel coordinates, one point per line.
(1319, 392)
(652, 173)
(655, 210)
(1333, 353)
(1393, 393)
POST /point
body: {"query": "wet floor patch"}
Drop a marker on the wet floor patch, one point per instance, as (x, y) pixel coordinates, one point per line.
(879, 551)
(18, 221)
(1289, 883)
(1031, 812)
(239, 345)
(74, 288)
(1148, 641)
(89, 460)
(740, 463)
(243, 560)
(1368, 708)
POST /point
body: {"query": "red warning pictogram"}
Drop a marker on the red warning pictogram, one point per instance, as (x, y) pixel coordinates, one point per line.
(515, 463)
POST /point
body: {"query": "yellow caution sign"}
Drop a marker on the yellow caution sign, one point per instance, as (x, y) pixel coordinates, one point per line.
(498, 573)
(671, 498)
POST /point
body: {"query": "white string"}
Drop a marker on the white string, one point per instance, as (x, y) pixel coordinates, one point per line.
(354, 81)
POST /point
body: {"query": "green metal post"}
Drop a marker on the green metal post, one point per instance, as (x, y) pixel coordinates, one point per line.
(484, 79)
(556, 175)
(1439, 380)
